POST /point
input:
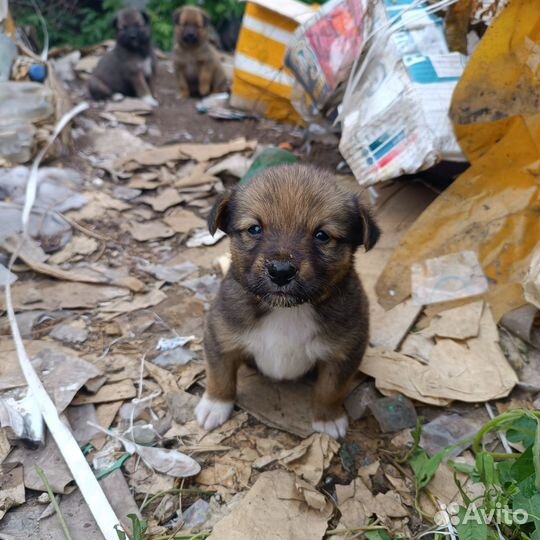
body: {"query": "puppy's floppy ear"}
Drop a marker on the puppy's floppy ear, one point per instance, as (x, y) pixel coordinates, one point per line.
(205, 18)
(145, 16)
(366, 231)
(176, 15)
(220, 215)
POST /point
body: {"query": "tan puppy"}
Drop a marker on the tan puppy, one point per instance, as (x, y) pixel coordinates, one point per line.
(130, 67)
(291, 301)
(196, 62)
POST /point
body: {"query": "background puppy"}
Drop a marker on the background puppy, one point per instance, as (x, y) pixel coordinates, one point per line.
(292, 300)
(196, 62)
(129, 68)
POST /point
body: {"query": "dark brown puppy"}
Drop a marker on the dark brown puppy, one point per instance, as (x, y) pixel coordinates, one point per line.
(291, 300)
(130, 67)
(196, 62)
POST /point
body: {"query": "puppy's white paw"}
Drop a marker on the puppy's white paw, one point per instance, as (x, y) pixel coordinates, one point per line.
(211, 413)
(150, 100)
(335, 428)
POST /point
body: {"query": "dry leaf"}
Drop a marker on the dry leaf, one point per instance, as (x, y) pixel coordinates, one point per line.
(183, 221)
(311, 457)
(12, 491)
(273, 507)
(139, 301)
(462, 322)
(474, 371)
(109, 392)
(152, 230)
(165, 199)
(388, 328)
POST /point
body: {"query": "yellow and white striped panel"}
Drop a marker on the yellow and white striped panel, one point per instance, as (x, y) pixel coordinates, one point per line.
(261, 80)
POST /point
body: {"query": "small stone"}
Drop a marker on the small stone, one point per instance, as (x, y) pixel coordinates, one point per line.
(44, 498)
(394, 414)
(74, 332)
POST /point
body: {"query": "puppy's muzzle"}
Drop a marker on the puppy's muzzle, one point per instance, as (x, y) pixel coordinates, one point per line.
(281, 272)
(190, 36)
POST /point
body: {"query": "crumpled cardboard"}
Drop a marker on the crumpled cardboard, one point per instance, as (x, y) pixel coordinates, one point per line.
(474, 370)
(493, 207)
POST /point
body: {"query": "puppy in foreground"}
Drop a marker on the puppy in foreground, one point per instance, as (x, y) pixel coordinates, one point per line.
(130, 66)
(291, 301)
(196, 62)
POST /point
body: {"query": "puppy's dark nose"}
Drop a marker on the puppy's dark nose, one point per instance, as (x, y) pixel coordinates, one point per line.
(281, 272)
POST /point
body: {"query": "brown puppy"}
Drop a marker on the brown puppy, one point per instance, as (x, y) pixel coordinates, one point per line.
(291, 300)
(130, 67)
(196, 62)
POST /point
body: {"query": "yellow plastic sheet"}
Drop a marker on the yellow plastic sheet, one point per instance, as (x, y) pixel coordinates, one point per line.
(494, 207)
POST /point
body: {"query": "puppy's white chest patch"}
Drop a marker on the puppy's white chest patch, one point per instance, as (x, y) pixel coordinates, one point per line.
(147, 67)
(285, 342)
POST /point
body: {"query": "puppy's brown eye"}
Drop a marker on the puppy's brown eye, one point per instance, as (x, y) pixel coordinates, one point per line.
(255, 230)
(322, 237)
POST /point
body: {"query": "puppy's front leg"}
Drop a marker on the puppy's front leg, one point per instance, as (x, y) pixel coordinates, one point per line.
(217, 403)
(205, 80)
(183, 86)
(142, 90)
(331, 389)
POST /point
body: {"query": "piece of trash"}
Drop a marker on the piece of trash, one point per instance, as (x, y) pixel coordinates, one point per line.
(479, 211)
(203, 238)
(461, 323)
(169, 462)
(395, 108)
(165, 199)
(217, 106)
(324, 47)
(311, 457)
(262, 84)
(108, 392)
(531, 282)
(169, 344)
(269, 157)
(183, 221)
(449, 430)
(268, 506)
(170, 274)
(393, 414)
(152, 230)
(446, 278)
(475, 370)
(389, 328)
(177, 357)
(47, 227)
(21, 105)
(74, 332)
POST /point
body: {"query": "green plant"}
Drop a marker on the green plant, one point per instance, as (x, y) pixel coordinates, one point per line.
(509, 507)
(139, 529)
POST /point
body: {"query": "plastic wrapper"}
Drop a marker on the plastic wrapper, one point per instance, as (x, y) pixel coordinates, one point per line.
(326, 46)
(395, 109)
